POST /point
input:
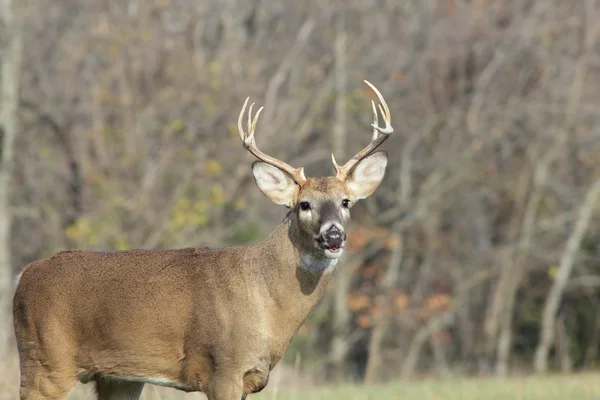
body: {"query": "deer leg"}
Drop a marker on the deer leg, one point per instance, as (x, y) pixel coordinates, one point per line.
(114, 389)
(226, 388)
(38, 383)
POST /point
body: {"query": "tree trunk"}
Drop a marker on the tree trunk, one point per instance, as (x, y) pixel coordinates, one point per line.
(380, 324)
(11, 60)
(583, 219)
(439, 355)
(341, 314)
(505, 262)
(547, 325)
(563, 346)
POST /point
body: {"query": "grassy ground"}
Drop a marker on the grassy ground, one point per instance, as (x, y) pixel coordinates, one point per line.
(574, 387)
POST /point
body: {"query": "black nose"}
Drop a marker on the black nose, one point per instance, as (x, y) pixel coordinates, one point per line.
(333, 237)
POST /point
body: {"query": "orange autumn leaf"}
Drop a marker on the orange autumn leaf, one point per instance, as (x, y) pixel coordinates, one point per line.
(439, 302)
(364, 321)
(357, 302)
(393, 243)
(401, 302)
(423, 314)
(357, 239)
(369, 271)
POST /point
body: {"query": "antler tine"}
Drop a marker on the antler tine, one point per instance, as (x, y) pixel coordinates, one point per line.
(249, 123)
(375, 121)
(297, 174)
(385, 112)
(380, 134)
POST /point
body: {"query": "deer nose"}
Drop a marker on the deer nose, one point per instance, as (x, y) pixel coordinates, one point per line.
(333, 237)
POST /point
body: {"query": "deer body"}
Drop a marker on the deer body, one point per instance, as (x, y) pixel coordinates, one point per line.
(202, 304)
(209, 320)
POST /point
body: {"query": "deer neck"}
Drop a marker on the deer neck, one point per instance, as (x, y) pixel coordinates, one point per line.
(293, 254)
(295, 277)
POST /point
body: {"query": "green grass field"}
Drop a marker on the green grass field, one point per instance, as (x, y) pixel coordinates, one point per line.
(572, 387)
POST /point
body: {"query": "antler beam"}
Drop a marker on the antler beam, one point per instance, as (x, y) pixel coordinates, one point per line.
(380, 134)
(297, 174)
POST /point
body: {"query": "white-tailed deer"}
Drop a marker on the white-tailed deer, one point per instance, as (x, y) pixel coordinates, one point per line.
(215, 321)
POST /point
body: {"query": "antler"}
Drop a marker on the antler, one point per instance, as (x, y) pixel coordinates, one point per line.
(379, 136)
(297, 174)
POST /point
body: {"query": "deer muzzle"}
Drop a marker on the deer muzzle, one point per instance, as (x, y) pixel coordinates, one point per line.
(331, 240)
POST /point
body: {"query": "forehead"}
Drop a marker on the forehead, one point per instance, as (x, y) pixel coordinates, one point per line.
(322, 188)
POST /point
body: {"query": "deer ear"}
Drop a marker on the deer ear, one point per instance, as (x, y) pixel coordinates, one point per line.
(366, 176)
(274, 183)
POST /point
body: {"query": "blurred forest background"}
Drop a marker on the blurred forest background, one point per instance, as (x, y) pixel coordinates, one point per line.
(479, 253)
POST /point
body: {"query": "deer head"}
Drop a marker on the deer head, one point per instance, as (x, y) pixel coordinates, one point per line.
(320, 207)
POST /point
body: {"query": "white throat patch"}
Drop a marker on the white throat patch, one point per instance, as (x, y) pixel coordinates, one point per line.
(317, 262)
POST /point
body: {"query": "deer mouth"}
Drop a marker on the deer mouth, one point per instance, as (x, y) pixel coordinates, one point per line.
(334, 248)
(332, 251)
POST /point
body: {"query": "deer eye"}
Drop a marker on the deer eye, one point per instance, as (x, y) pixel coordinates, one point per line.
(345, 203)
(304, 205)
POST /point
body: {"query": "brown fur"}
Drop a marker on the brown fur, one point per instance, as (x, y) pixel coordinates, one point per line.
(196, 317)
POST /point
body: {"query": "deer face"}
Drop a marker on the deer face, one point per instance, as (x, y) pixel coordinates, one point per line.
(322, 205)
(323, 210)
